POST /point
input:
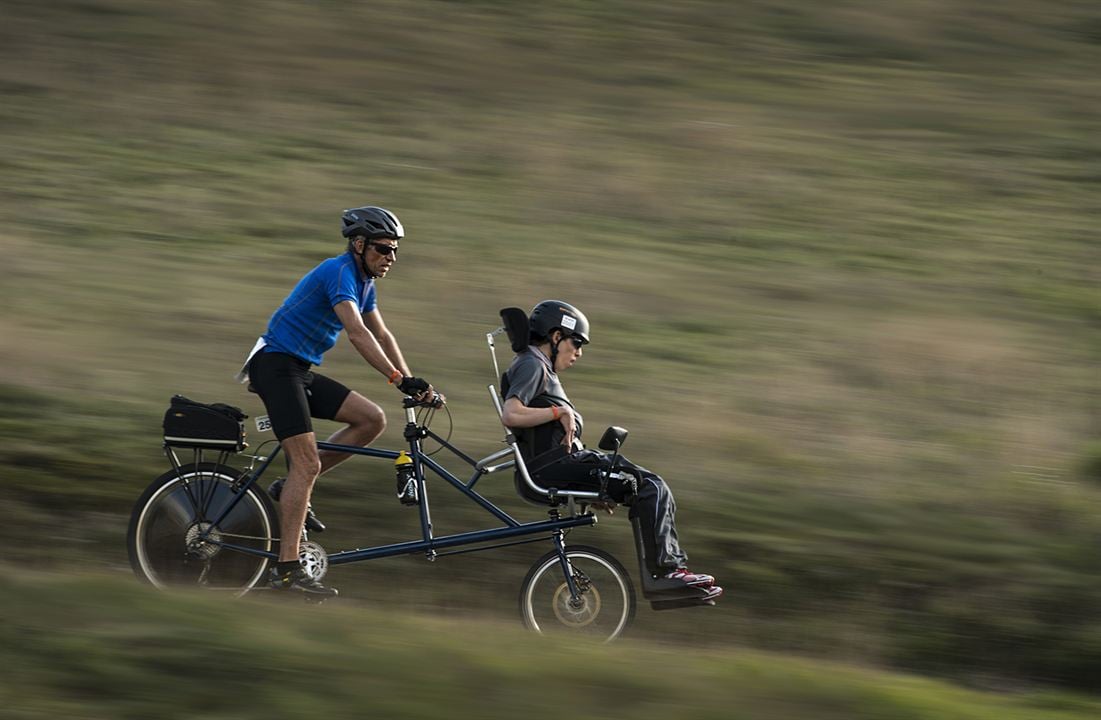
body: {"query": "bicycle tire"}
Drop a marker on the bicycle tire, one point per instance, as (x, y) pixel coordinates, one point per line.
(607, 605)
(163, 535)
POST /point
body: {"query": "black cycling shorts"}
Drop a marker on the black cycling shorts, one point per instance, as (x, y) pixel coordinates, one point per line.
(292, 394)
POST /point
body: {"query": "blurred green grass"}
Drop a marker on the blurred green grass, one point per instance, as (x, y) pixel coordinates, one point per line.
(841, 263)
(92, 645)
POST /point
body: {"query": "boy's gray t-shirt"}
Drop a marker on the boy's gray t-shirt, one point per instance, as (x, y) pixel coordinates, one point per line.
(531, 381)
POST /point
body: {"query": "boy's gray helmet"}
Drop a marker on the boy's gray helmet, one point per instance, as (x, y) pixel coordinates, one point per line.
(555, 314)
(372, 222)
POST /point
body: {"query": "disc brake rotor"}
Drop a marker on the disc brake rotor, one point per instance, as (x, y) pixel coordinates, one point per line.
(576, 614)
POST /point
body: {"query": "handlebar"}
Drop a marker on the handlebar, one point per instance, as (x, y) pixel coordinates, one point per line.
(435, 401)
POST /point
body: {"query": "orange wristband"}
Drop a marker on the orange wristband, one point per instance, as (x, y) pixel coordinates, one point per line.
(394, 376)
(555, 413)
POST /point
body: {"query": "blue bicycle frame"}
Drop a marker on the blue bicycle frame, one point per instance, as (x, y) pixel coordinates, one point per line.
(429, 544)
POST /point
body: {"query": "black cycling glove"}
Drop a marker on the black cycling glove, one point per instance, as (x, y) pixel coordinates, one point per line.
(412, 386)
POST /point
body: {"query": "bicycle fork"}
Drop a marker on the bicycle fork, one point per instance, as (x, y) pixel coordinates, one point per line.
(567, 570)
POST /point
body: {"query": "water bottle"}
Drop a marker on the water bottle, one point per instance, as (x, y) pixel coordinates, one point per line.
(406, 479)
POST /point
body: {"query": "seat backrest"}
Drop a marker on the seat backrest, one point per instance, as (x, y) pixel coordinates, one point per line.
(526, 487)
(516, 325)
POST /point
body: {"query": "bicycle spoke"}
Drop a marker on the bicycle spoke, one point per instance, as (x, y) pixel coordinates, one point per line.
(208, 495)
(195, 504)
(203, 580)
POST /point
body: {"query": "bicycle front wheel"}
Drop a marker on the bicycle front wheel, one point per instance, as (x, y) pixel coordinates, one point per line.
(605, 605)
(166, 538)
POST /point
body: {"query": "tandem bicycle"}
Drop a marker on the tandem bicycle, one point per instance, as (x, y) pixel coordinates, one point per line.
(207, 524)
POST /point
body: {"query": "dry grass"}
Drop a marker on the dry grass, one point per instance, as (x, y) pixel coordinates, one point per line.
(841, 262)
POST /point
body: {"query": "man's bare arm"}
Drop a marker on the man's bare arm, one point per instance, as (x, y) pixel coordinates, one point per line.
(374, 323)
(365, 343)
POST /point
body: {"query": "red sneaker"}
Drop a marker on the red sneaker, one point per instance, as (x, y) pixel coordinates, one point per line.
(690, 578)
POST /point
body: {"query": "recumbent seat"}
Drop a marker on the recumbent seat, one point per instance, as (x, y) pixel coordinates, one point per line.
(516, 326)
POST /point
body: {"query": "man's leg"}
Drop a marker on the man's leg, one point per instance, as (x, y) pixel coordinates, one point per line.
(288, 574)
(365, 421)
(304, 468)
(281, 381)
(331, 400)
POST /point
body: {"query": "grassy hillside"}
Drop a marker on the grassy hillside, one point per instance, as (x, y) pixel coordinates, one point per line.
(841, 264)
(94, 647)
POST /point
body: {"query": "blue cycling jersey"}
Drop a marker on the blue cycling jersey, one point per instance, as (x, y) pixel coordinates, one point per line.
(306, 325)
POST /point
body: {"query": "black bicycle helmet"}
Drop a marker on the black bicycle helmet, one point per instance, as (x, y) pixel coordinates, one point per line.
(371, 222)
(551, 315)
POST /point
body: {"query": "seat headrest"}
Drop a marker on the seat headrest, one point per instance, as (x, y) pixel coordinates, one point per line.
(516, 325)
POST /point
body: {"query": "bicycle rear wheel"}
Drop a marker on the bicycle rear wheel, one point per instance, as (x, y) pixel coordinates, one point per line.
(603, 611)
(165, 540)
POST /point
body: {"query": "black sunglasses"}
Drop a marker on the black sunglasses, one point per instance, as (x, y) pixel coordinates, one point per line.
(383, 249)
(577, 342)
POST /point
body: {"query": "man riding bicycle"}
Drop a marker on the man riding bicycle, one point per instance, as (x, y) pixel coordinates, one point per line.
(338, 294)
(548, 430)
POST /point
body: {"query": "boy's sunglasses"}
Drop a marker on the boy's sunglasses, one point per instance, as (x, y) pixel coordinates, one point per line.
(577, 342)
